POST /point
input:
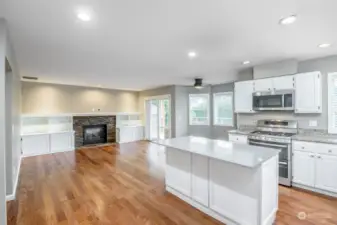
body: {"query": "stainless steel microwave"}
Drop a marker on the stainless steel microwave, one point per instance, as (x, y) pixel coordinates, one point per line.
(274, 100)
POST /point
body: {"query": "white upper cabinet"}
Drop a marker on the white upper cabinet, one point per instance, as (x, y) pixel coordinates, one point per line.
(284, 82)
(275, 83)
(308, 95)
(243, 96)
(263, 85)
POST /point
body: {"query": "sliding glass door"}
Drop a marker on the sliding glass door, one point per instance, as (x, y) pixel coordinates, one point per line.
(158, 117)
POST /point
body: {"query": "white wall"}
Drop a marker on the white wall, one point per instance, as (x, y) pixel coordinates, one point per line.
(13, 115)
(3, 214)
(41, 98)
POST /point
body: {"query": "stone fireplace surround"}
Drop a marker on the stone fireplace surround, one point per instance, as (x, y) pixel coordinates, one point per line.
(80, 121)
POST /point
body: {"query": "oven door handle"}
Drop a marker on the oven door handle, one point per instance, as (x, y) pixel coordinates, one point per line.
(267, 144)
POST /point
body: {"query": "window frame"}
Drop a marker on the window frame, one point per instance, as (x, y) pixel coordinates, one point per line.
(230, 93)
(190, 122)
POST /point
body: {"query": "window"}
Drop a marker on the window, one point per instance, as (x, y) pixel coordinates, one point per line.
(332, 103)
(199, 109)
(223, 109)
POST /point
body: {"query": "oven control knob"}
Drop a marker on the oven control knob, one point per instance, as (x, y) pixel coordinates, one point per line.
(263, 138)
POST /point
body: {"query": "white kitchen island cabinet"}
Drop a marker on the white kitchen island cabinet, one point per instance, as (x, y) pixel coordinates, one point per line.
(233, 183)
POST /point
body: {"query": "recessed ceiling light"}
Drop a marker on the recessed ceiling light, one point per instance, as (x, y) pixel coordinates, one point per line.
(84, 16)
(288, 20)
(192, 54)
(325, 45)
(245, 62)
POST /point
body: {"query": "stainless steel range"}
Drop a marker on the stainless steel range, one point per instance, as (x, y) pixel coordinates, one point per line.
(277, 134)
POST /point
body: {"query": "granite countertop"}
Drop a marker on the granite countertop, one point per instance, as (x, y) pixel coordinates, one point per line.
(240, 154)
(316, 137)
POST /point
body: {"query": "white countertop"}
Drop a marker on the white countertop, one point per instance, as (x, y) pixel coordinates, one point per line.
(241, 154)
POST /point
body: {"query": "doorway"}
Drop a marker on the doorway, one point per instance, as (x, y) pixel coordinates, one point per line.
(158, 117)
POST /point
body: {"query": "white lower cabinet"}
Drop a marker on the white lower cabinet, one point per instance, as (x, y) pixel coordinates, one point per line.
(315, 166)
(40, 144)
(35, 144)
(60, 142)
(178, 171)
(304, 168)
(130, 134)
(200, 179)
(326, 173)
(238, 138)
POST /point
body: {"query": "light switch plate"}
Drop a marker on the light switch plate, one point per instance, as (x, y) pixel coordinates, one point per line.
(312, 123)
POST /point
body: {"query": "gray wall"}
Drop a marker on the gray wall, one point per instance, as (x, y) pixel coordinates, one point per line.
(3, 214)
(181, 111)
(325, 65)
(276, 69)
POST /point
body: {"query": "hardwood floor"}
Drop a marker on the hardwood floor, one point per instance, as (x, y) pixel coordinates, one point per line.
(124, 185)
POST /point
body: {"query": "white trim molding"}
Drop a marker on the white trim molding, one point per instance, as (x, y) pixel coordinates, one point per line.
(15, 187)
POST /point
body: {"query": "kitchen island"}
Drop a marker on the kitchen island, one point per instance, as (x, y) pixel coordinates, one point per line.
(233, 183)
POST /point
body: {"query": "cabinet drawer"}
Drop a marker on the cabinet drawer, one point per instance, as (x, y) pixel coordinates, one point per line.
(237, 138)
(315, 147)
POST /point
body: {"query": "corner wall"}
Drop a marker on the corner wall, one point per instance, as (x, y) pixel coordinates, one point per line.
(3, 214)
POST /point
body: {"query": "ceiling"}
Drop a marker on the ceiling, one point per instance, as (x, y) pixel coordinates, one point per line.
(137, 45)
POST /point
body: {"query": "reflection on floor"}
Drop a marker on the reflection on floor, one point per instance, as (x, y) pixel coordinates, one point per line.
(124, 185)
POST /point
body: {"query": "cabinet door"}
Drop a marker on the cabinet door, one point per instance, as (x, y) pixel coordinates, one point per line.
(284, 82)
(61, 142)
(326, 172)
(238, 199)
(304, 168)
(35, 144)
(243, 97)
(308, 95)
(178, 171)
(200, 179)
(238, 138)
(263, 85)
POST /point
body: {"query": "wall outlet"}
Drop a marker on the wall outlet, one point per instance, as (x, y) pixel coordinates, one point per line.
(312, 123)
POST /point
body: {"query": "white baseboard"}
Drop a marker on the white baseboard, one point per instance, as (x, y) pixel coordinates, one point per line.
(15, 187)
(47, 153)
(315, 190)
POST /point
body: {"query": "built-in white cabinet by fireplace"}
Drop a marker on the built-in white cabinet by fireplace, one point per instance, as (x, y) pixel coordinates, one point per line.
(315, 166)
(307, 88)
(46, 134)
(129, 128)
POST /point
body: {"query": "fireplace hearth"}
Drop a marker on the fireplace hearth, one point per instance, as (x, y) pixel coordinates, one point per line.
(94, 134)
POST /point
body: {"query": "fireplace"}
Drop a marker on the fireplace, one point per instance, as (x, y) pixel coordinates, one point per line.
(94, 134)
